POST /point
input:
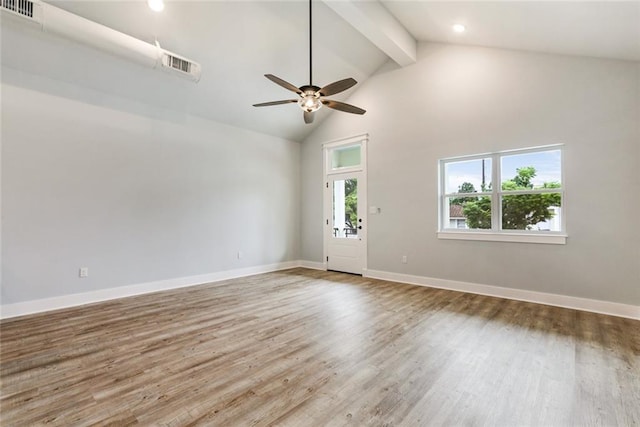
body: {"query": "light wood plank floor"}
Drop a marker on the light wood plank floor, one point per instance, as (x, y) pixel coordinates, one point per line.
(314, 348)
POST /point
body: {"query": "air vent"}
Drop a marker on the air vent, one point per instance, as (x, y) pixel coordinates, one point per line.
(19, 7)
(181, 65)
(27, 9)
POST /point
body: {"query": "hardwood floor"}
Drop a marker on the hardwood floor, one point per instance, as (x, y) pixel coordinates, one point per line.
(314, 348)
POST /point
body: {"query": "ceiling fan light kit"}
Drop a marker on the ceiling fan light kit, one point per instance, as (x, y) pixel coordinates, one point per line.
(312, 98)
(310, 101)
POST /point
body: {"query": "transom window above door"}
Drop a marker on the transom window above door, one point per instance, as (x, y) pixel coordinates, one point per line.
(345, 155)
(342, 158)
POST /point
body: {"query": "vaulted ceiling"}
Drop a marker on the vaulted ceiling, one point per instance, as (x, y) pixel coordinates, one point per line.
(236, 42)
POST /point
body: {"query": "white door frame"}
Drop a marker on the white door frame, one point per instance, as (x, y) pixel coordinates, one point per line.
(362, 140)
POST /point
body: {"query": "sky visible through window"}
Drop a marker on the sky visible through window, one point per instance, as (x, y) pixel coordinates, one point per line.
(546, 163)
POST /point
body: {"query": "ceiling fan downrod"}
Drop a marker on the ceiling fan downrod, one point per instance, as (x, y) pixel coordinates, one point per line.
(310, 45)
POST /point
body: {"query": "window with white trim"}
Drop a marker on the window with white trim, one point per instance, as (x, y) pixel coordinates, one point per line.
(527, 205)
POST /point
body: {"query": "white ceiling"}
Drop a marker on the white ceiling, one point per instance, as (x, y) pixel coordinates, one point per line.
(238, 41)
(606, 29)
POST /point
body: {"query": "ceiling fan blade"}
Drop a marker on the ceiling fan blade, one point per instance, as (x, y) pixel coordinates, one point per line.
(341, 106)
(337, 87)
(284, 84)
(267, 104)
(308, 117)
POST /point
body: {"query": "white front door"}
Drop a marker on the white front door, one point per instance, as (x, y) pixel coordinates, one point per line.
(345, 223)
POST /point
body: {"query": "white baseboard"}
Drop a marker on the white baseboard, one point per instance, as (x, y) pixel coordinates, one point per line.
(313, 265)
(65, 301)
(584, 304)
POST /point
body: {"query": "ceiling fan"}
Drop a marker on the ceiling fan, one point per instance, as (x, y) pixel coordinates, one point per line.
(311, 97)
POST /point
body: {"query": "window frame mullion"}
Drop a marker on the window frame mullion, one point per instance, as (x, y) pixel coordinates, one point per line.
(496, 190)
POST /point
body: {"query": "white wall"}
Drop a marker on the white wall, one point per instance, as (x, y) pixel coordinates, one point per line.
(134, 193)
(461, 100)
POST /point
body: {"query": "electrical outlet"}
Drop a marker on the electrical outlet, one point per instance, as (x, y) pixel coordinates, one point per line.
(84, 272)
(404, 259)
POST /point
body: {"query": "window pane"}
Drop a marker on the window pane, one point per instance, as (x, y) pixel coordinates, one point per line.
(468, 212)
(468, 176)
(540, 169)
(345, 208)
(345, 157)
(532, 212)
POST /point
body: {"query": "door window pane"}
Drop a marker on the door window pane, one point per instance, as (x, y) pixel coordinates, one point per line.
(345, 208)
(344, 157)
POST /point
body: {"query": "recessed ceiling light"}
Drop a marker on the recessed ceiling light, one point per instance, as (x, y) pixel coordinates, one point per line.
(459, 28)
(156, 5)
